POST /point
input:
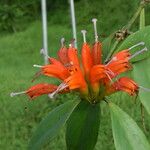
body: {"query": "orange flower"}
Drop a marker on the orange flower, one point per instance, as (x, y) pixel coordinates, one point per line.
(92, 79)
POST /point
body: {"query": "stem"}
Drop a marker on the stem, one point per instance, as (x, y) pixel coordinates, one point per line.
(142, 19)
(143, 118)
(112, 50)
(137, 13)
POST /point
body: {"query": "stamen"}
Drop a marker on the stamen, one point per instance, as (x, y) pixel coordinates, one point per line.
(38, 66)
(17, 93)
(113, 59)
(111, 72)
(72, 44)
(138, 44)
(94, 20)
(42, 52)
(139, 52)
(62, 42)
(144, 89)
(109, 76)
(61, 87)
(84, 35)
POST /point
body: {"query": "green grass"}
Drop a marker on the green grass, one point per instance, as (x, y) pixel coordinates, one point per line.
(18, 52)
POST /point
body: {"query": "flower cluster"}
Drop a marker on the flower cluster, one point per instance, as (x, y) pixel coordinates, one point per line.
(86, 74)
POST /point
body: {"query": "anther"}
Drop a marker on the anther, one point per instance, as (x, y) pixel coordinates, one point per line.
(94, 20)
(38, 66)
(139, 52)
(84, 35)
(138, 44)
(62, 41)
(17, 93)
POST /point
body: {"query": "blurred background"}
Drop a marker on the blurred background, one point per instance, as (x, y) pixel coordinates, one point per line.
(20, 44)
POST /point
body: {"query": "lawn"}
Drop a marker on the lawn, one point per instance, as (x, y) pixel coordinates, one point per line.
(20, 116)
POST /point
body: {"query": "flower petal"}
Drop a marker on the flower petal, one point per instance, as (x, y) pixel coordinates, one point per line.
(127, 85)
(55, 61)
(123, 84)
(73, 56)
(117, 67)
(124, 54)
(57, 71)
(97, 72)
(40, 89)
(97, 53)
(63, 55)
(86, 58)
(77, 81)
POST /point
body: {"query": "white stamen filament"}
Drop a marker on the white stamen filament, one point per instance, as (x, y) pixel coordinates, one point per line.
(144, 89)
(111, 72)
(72, 44)
(138, 44)
(139, 52)
(109, 76)
(17, 93)
(84, 35)
(62, 41)
(94, 20)
(38, 66)
(42, 51)
(113, 59)
(61, 87)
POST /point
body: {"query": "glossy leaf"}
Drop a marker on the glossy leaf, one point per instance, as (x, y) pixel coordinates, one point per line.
(141, 74)
(127, 135)
(83, 127)
(51, 124)
(141, 35)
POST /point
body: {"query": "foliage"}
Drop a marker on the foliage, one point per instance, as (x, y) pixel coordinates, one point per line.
(18, 52)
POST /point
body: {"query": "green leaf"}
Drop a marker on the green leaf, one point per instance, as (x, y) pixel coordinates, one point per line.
(141, 74)
(106, 45)
(141, 35)
(83, 127)
(51, 124)
(127, 135)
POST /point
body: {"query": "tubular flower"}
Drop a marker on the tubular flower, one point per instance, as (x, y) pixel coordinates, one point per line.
(92, 78)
